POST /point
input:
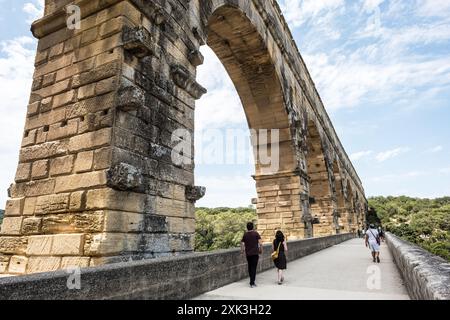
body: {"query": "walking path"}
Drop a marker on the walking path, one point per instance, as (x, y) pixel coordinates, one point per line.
(342, 272)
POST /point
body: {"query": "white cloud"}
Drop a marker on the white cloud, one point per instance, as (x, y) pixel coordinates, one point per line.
(436, 149)
(370, 5)
(389, 154)
(221, 106)
(359, 155)
(35, 10)
(226, 191)
(297, 12)
(433, 8)
(16, 72)
(445, 170)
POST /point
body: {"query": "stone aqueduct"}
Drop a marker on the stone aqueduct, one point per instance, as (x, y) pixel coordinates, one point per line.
(95, 182)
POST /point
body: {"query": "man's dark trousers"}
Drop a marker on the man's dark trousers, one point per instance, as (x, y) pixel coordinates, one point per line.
(252, 266)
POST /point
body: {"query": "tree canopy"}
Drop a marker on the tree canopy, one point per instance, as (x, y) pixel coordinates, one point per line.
(425, 222)
(221, 228)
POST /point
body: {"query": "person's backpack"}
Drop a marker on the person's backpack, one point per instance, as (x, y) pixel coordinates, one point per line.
(276, 253)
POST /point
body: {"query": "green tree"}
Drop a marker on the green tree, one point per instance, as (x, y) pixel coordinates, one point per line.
(221, 228)
(425, 222)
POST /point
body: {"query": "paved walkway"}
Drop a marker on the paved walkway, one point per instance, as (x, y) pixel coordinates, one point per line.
(342, 272)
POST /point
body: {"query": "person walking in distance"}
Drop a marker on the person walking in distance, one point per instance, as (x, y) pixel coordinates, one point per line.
(279, 247)
(373, 242)
(251, 245)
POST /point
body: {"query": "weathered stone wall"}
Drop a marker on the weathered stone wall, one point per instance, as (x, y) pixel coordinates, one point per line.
(426, 276)
(181, 277)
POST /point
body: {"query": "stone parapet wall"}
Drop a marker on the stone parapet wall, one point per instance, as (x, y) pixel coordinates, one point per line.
(181, 277)
(426, 276)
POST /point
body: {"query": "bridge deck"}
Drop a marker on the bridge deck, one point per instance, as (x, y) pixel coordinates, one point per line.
(341, 272)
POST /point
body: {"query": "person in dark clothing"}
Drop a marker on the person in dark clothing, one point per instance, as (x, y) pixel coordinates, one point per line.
(251, 244)
(280, 244)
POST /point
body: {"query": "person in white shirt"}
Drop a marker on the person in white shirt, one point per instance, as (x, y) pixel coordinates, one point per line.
(373, 242)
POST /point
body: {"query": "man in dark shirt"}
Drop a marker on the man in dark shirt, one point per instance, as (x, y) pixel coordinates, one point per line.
(252, 246)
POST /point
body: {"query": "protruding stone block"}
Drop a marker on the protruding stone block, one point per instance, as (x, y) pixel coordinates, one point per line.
(194, 193)
(125, 177)
(138, 41)
(182, 79)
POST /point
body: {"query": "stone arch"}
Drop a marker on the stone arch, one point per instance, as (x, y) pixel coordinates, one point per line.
(245, 56)
(339, 196)
(320, 192)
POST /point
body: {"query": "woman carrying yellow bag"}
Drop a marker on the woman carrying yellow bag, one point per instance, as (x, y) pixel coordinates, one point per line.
(279, 248)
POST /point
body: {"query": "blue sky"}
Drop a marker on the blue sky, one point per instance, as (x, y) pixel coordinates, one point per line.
(382, 68)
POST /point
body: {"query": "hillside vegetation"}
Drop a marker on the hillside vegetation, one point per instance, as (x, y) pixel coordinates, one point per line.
(221, 228)
(425, 222)
(2, 212)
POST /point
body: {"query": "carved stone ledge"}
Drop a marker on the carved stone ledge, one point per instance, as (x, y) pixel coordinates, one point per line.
(194, 193)
(182, 79)
(138, 41)
(125, 177)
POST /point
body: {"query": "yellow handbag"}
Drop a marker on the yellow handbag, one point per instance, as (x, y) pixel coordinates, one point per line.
(275, 254)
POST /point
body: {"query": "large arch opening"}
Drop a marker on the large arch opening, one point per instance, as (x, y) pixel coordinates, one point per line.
(246, 59)
(339, 198)
(350, 205)
(321, 201)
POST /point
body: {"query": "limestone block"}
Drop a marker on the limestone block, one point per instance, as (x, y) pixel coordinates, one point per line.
(40, 169)
(102, 158)
(4, 261)
(39, 245)
(52, 203)
(125, 177)
(18, 265)
(48, 79)
(90, 140)
(77, 201)
(120, 221)
(62, 165)
(84, 161)
(69, 223)
(14, 207)
(13, 245)
(11, 226)
(106, 85)
(71, 262)
(29, 205)
(67, 245)
(42, 151)
(80, 181)
(181, 242)
(115, 200)
(157, 242)
(43, 264)
(29, 138)
(23, 172)
(31, 226)
(112, 243)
